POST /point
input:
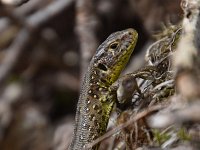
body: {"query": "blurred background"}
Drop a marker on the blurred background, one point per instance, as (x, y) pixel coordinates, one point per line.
(45, 47)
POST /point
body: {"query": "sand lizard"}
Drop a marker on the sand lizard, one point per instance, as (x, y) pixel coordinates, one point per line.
(97, 97)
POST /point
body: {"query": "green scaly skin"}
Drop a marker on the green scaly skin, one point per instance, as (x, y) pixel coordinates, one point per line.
(96, 98)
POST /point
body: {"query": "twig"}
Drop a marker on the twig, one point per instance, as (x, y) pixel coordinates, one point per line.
(13, 53)
(169, 82)
(14, 2)
(49, 12)
(121, 126)
(86, 30)
(30, 25)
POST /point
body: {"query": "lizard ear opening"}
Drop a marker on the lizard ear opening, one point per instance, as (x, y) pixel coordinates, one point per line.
(102, 67)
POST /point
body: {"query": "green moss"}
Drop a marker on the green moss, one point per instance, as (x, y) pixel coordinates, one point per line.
(183, 135)
(160, 137)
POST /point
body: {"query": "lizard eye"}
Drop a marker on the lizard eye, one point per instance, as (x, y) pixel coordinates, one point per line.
(102, 67)
(114, 45)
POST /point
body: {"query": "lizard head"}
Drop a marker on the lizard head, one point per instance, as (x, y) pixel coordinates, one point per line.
(113, 54)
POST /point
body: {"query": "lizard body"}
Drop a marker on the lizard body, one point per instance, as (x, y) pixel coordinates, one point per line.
(96, 97)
